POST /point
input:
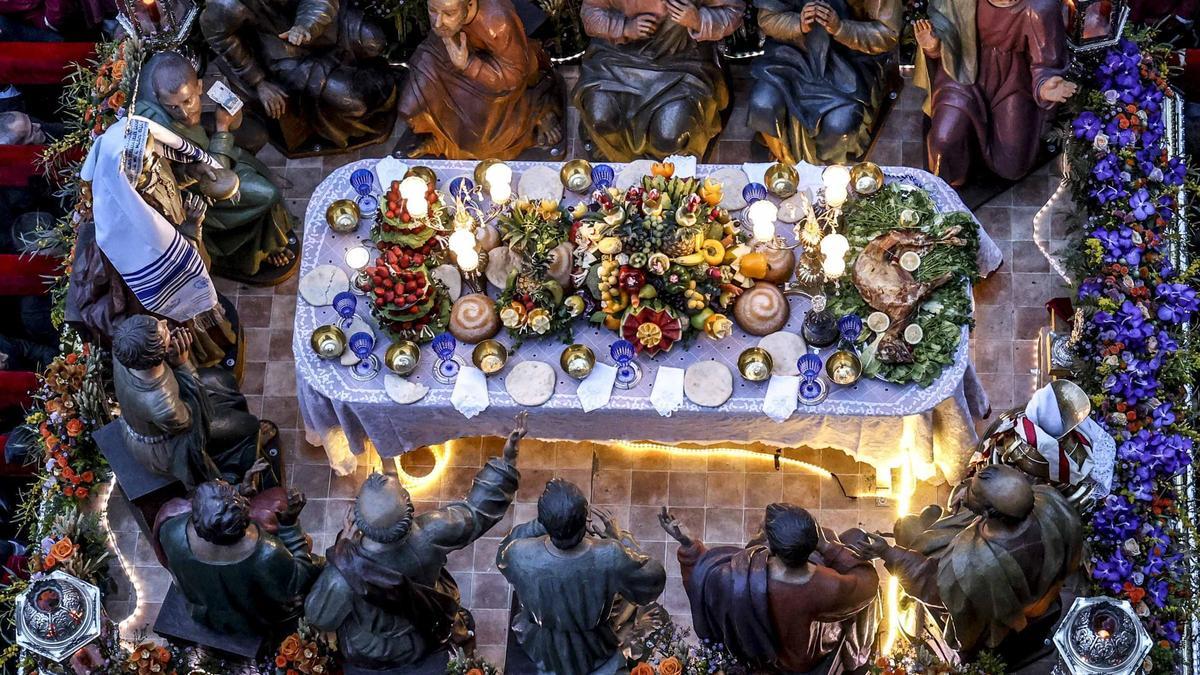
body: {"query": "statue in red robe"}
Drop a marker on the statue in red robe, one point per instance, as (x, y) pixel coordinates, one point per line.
(477, 87)
(994, 70)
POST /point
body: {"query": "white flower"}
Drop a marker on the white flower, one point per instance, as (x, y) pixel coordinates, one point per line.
(1156, 175)
(1100, 142)
(1111, 96)
(1131, 547)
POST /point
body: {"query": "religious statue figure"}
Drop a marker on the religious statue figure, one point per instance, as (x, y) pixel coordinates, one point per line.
(315, 66)
(247, 238)
(793, 600)
(567, 580)
(651, 84)
(822, 78)
(237, 575)
(386, 591)
(178, 422)
(993, 576)
(142, 250)
(994, 71)
(478, 87)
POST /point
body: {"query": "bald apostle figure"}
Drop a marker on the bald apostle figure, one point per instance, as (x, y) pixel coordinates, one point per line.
(994, 70)
(651, 84)
(478, 87)
(247, 238)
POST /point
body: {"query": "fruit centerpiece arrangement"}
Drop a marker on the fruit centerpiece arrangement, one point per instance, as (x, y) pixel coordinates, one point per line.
(911, 270)
(658, 258)
(534, 299)
(406, 300)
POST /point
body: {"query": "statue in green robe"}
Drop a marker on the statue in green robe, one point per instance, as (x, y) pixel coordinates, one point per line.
(249, 238)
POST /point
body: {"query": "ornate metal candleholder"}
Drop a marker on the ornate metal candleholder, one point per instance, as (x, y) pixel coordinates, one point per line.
(445, 370)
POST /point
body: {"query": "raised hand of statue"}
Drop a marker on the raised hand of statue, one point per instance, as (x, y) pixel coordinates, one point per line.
(194, 208)
(673, 527)
(930, 44)
(297, 35)
(867, 545)
(260, 465)
(1057, 89)
(512, 446)
(685, 13)
(825, 17)
(456, 47)
(349, 529)
(227, 122)
(272, 97)
(608, 527)
(180, 348)
(641, 27)
(295, 504)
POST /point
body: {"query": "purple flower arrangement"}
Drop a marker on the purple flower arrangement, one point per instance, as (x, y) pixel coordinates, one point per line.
(1134, 305)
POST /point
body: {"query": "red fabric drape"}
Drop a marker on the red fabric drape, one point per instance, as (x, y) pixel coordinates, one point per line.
(26, 275)
(40, 62)
(18, 163)
(16, 388)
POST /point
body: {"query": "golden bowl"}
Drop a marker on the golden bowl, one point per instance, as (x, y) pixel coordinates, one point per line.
(755, 364)
(489, 356)
(866, 178)
(402, 357)
(577, 361)
(782, 180)
(424, 173)
(576, 175)
(224, 185)
(343, 216)
(843, 367)
(481, 170)
(328, 342)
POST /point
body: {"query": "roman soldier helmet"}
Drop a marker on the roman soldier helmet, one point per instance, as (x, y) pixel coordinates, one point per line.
(383, 511)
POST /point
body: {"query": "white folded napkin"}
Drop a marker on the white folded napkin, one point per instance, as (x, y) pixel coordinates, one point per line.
(667, 395)
(756, 173)
(685, 166)
(780, 401)
(390, 169)
(595, 391)
(470, 395)
(810, 174)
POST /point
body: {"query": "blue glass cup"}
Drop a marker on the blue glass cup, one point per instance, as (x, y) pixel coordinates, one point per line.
(629, 373)
(362, 344)
(344, 304)
(447, 366)
(812, 388)
(754, 192)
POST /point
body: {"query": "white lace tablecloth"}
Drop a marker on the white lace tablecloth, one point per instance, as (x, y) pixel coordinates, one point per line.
(870, 420)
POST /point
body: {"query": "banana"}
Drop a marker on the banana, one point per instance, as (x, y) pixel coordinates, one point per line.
(690, 260)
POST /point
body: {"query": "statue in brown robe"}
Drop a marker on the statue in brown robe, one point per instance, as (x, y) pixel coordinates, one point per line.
(994, 70)
(478, 87)
(314, 66)
(794, 600)
(821, 80)
(651, 84)
(990, 573)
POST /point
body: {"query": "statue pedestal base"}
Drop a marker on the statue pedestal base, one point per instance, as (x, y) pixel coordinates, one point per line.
(434, 664)
(145, 490)
(175, 623)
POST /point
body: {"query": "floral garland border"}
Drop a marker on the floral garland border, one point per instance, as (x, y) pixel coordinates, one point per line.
(1135, 306)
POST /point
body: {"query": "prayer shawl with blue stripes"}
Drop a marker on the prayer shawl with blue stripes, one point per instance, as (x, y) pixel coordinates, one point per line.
(162, 268)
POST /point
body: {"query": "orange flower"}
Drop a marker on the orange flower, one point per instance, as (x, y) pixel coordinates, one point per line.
(88, 477)
(53, 406)
(116, 101)
(62, 549)
(74, 427)
(670, 666)
(642, 669)
(71, 359)
(49, 562)
(475, 671)
(68, 473)
(290, 647)
(162, 655)
(81, 493)
(281, 661)
(664, 169)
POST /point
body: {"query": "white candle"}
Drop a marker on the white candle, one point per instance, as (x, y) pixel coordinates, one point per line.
(413, 190)
(762, 215)
(837, 184)
(358, 257)
(499, 180)
(468, 259)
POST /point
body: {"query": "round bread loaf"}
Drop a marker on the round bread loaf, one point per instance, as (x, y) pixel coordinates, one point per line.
(474, 318)
(762, 310)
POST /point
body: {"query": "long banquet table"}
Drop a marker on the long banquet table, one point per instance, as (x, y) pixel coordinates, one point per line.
(868, 420)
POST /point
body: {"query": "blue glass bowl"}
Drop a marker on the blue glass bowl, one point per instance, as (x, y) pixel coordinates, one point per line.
(344, 304)
(603, 173)
(809, 366)
(754, 192)
(363, 181)
(461, 186)
(361, 344)
(444, 345)
(850, 326)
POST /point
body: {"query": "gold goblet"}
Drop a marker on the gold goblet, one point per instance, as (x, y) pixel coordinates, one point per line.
(328, 342)
(843, 367)
(342, 216)
(577, 361)
(489, 356)
(866, 178)
(402, 357)
(576, 175)
(755, 364)
(782, 180)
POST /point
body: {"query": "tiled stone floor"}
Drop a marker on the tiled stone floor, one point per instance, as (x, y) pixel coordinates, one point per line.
(720, 498)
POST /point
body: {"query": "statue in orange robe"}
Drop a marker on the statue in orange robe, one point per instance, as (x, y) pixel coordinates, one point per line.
(478, 87)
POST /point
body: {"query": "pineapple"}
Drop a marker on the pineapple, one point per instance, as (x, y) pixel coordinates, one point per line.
(527, 284)
(683, 242)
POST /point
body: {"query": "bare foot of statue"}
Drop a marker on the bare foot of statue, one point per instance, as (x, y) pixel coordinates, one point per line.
(549, 132)
(425, 148)
(281, 258)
